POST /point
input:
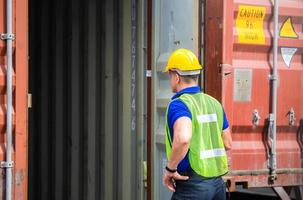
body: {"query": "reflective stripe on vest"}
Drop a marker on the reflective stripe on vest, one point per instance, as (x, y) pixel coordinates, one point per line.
(212, 153)
(207, 118)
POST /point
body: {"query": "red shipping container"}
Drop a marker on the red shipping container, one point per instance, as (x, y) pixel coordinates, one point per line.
(239, 62)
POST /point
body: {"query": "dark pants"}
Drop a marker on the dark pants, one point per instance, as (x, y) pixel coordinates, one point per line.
(200, 188)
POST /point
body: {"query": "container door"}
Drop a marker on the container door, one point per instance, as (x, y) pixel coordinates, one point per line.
(246, 94)
(250, 101)
(175, 25)
(19, 110)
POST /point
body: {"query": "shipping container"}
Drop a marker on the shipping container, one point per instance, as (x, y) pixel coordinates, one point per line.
(242, 80)
(234, 40)
(89, 95)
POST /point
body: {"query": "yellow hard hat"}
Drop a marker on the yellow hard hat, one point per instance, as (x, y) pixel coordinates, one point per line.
(184, 61)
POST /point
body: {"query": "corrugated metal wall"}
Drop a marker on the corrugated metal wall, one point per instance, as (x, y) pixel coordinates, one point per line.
(237, 70)
(79, 125)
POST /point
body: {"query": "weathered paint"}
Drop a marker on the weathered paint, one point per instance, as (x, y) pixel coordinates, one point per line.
(20, 88)
(225, 57)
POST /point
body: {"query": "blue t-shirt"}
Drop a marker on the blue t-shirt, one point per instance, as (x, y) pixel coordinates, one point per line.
(178, 109)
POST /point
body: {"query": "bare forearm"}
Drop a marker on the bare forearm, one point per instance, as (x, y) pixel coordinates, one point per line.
(227, 139)
(181, 141)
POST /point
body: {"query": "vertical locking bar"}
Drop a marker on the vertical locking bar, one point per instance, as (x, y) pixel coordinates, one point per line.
(274, 81)
(9, 49)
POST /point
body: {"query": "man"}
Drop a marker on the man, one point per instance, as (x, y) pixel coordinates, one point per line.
(197, 134)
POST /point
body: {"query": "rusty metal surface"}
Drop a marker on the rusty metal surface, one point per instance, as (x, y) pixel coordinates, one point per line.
(21, 118)
(213, 47)
(20, 86)
(251, 145)
(257, 181)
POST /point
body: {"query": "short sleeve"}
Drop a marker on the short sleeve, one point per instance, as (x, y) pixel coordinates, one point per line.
(225, 122)
(176, 110)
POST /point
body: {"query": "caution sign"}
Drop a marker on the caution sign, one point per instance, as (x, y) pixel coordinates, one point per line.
(287, 30)
(249, 24)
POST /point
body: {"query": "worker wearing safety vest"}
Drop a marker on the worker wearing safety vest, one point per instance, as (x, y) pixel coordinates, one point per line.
(197, 134)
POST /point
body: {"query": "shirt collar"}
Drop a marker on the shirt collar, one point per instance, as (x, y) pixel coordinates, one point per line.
(188, 90)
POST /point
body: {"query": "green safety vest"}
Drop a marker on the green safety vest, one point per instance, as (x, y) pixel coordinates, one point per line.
(207, 155)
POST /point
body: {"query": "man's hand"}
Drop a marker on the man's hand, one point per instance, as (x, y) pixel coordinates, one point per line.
(169, 179)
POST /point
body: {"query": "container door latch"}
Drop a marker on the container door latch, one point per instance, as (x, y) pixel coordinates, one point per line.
(5, 36)
(292, 118)
(256, 117)
(5, 164)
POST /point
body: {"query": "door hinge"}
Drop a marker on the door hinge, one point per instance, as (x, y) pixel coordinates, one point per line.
(148, 73)
(292, 117)
(29, 100)
(256, 117)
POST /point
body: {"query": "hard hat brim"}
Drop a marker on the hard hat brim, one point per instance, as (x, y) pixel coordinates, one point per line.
(187, 73)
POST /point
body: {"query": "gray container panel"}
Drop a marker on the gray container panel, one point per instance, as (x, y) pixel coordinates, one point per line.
(175, 26)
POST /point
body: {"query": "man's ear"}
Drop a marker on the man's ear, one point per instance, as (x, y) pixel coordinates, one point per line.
(178, 78)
